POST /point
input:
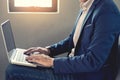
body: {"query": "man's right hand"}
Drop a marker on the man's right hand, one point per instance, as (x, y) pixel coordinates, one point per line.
(39, 50)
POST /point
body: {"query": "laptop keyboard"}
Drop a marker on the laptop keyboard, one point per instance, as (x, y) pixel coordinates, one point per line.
(19, 56)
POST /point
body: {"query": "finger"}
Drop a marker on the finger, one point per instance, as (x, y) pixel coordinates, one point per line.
(30, 51)
(33, 56)
(27, 52)
(33, 60)
(29, 59)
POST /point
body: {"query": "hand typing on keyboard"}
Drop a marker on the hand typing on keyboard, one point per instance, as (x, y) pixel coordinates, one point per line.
(37, 50)
(40, 59)
(39, 55)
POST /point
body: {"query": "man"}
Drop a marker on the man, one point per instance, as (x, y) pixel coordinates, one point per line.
(92, 48)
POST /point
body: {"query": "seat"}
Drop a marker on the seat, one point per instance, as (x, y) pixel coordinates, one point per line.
(119, 51)
(118, 60)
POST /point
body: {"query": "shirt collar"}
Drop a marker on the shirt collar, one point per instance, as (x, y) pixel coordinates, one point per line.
(86, 5)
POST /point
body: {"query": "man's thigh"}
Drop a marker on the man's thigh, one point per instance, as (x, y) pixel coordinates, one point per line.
(14, 72)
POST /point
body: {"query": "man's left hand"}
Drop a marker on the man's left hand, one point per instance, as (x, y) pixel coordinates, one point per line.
(41, 59)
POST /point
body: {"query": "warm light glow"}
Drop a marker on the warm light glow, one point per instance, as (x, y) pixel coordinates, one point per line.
(33, 3)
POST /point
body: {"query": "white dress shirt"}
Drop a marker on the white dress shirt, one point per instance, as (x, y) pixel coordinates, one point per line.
(85, 8)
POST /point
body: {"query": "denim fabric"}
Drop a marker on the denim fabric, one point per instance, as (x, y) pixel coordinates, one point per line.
(14, 72)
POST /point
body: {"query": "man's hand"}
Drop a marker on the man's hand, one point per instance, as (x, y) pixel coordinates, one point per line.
(39, 50)
(41, 59)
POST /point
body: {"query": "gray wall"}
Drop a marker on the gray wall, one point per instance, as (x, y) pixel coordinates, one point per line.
(38, 29)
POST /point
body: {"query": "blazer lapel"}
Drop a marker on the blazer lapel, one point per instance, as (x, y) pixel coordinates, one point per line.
(80, 12)
(90, 11)
(76, 22)
(87, 17)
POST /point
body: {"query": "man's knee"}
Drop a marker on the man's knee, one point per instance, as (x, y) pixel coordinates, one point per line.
(9, 72)
(9, 69)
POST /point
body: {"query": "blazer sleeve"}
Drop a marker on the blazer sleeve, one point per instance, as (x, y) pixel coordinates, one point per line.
(107, 28)
(61, 47)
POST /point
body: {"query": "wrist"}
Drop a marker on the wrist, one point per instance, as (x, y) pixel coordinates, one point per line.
(52, 62)
(48, 50)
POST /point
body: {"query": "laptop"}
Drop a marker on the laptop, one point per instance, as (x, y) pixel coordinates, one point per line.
(15, 55)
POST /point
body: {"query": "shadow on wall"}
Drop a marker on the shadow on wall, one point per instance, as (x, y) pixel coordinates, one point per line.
(3, 59)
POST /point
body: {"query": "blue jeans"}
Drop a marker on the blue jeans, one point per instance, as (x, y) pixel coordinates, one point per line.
(14, 72)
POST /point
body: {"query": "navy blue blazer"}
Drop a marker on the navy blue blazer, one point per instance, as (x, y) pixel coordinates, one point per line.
(96, 48)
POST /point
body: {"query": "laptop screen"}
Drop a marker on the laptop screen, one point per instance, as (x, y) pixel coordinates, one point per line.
(8, 36)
